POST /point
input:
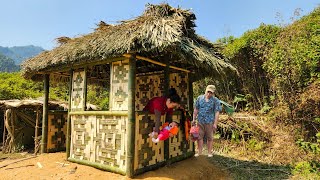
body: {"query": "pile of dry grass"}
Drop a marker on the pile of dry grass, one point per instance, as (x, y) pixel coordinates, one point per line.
(260, 140)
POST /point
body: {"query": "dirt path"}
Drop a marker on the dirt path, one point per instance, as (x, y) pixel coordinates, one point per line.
(53, 168)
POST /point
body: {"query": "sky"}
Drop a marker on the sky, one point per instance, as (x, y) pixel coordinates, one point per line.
(40, 22)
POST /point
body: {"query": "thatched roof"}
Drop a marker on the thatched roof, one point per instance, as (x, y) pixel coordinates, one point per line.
(160, 33)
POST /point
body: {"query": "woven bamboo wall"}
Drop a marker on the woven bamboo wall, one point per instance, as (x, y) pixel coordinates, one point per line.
(148, 153)
(57, 130)
(99, 139)
(180, 83)
(151, 86)
(77, 95)
(178, 145)
(119, 86)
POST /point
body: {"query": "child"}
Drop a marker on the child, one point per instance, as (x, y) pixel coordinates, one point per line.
(168, 130)
(194, 131)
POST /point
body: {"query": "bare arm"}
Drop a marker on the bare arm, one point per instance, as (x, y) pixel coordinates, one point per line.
(157, 121)
(195, 114)
(216, 118)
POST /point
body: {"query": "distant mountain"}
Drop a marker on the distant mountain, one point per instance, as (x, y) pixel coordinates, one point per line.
(20, 53)
(7, 64)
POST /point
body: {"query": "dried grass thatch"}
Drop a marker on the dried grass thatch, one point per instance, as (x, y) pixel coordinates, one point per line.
(160, 33)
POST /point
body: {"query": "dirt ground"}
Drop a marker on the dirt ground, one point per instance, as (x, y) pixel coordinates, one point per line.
(54, 166)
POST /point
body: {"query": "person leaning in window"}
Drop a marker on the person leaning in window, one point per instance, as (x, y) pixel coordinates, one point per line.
(206, 110)
(163, 105)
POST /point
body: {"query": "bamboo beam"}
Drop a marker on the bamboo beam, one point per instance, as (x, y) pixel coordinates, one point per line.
(158, 63)
(68, 140)
(98, 166)
(112, 113)
(131, 118)
(44, 139)
(81, 65)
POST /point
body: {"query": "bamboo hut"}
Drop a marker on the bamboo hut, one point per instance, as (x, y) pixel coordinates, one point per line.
(22, 122)
(136, 60)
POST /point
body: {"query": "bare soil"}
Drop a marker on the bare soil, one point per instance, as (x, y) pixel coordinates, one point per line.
(55, 166)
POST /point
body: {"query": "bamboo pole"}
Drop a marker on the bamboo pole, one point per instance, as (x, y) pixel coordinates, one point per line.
(131, 118)
(68, 140)
(97, 113)
(156, 62)
(91, 63)
(166, 90)
(190, 108)
(36, 132)
(85, 89)
(13, 115)
(4, 131)
(98, 165)
(44, 139)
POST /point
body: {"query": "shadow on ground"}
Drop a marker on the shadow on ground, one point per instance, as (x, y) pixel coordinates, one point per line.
(240, 169)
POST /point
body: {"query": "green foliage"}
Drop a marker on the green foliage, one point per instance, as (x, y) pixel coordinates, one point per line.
(313, 147)
(235, 136)
(293, 62)
(59, 92)
(255, 144)
(308, 170)
(247, 54)
(13, 86)
(98, 96)
(244, 101)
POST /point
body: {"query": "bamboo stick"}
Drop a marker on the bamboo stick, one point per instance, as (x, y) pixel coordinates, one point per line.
(131, 118)
(68, 140)
(17, 161)
(98, 166)
(45, 115)
(87, 113)
(156, 62)
(36, 133)
(4, 131)
(13, 115)
(85, 89)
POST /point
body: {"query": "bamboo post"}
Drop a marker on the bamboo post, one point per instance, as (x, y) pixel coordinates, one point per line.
(36, 132)
(85, 89)
(44, 138)
(13, 113)
(131, 117)
(190, 108)
(4, 131)
(68, 140)
(190, 103)
(166, 90)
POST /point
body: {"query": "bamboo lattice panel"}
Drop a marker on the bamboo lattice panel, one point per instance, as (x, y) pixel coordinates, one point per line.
(146, 152)
(178, 144)
(77, 95)
(119, 86)
(151, 86)
(100, 139)
(180, 83)
(148, 87)
(57, 130)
